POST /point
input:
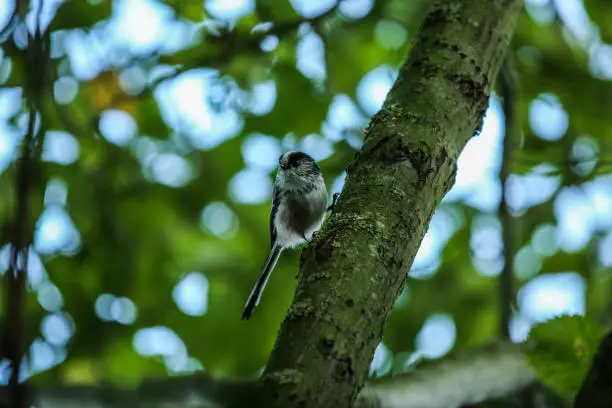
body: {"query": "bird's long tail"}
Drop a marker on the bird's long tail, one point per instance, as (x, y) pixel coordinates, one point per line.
(260, 285)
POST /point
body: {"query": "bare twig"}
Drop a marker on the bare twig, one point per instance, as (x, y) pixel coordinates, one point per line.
(508, 85)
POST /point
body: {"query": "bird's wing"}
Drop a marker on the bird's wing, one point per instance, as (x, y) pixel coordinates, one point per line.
(275, 204)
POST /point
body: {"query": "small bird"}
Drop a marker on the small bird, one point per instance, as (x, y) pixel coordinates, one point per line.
(299, 204)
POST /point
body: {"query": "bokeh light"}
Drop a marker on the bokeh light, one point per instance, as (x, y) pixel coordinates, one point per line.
(390, 34)
(220, 220)
(57, 328)
(356, 9)
(250, 186)
(170, 170)
(207, 112)
(60, 147)
(437, 336)
(229, 10)
(50, 297)
(310, 9)
(547, 118)
(374, 87)
(263, 151)
(311, 56)
(382, 361)
(551, 295)
(56, 232)
(65, 89)
(117, 126)
(191, 294)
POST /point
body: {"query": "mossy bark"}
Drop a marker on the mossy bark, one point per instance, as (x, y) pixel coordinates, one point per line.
(351, 275)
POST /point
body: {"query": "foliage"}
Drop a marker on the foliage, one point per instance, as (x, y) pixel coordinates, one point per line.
(563, 350)
(140, 226)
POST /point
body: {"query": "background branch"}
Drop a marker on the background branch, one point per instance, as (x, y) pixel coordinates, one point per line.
(508, 87)
(22, 228)
(16, 285)
(471, 377)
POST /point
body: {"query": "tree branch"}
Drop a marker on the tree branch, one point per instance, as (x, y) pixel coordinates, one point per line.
(22, 230)
(476, 376)
(15, 289)
(508, 88)
(353, 272)
(469, 378)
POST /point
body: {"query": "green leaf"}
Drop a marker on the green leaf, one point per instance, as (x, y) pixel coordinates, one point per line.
(564, 349)
(80, 14)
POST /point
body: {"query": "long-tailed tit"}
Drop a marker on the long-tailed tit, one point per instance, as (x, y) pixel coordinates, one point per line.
(299, 204)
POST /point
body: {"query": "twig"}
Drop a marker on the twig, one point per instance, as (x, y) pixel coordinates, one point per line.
(508, 86)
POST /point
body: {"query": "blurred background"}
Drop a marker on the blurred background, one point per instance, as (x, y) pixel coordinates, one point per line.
(163, 124)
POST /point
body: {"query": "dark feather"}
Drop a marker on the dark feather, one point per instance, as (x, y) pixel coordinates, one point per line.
(255, 295)
(275, 204)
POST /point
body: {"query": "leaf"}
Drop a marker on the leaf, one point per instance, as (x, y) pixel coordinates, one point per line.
(80, 14)
(564, 349)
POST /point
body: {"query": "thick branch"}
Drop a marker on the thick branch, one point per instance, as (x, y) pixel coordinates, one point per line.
(469, 378)
(473, 377)
(351, 275)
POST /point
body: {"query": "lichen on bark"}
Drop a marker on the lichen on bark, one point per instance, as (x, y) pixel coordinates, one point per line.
(351, 275)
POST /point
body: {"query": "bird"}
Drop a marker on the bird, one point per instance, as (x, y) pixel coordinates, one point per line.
(299, 204)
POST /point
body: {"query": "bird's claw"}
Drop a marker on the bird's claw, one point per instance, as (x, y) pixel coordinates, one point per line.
(332, 207)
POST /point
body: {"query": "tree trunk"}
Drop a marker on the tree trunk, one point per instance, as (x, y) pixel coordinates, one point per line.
(352, 274)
